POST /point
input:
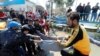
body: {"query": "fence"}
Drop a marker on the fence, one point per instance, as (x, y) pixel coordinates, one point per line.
(90, 17)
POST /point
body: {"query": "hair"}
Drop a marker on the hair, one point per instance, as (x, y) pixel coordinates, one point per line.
(73, 16)
(25, 28)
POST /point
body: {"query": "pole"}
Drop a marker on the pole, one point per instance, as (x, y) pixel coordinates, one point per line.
(51, 2)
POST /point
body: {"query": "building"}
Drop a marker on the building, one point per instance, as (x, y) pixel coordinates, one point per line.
(28, 6)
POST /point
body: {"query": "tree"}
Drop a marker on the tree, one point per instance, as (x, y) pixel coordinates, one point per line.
(69, 2)
(59, 3)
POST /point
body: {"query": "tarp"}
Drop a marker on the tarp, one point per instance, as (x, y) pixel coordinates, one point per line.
(11, 2)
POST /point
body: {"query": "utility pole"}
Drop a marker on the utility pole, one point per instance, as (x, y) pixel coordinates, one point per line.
(51, 8)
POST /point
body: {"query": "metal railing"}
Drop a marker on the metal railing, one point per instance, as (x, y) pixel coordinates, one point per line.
(90, 17)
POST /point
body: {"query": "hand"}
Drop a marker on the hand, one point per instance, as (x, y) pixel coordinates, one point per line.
(61, 43)
(58, 41)
(28, 34)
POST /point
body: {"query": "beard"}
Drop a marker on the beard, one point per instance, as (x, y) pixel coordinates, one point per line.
(71, 26)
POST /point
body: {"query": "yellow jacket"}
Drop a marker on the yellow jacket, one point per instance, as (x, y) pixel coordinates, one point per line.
(79, 40)
(83, 45)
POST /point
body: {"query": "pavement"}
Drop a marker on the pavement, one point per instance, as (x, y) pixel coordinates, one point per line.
(54, 51)
(95, 50)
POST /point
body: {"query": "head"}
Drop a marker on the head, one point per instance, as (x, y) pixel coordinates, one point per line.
(97, 4)
(80, 4)
(14, 25)
(15, 19)
(42, 17)
(29, 17)
(36, 21)
(83, 4)
(73, 19)
(25, 29)
(1, 9)
(30, 22)
(88, 3)
(11, 9)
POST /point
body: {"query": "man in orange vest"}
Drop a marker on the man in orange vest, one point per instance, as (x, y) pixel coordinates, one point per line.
(78, 40)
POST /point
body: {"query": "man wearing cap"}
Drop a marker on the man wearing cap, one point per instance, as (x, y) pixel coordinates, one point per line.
(8, 38)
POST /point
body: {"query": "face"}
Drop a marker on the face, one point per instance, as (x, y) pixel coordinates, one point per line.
(71, 23)
(30, 22)
(36, 22)
(15, 28)
(26, 32)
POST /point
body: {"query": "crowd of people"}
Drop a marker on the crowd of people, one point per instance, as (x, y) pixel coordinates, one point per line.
(87, 10)
(24, 17)
(22, 29)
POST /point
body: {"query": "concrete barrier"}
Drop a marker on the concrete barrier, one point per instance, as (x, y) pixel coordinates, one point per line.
(95, 41)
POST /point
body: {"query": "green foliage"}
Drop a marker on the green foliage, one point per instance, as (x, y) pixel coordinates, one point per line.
(69, 2)
(60, 3)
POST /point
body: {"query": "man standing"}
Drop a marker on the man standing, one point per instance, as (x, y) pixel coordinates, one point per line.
(80, 10)
(83, 13)
(87, 10)
(21, 18)
(94, 12)
(78, 40)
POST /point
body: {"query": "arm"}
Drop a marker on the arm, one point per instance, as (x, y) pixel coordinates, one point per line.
(70, 39)
(36, 37)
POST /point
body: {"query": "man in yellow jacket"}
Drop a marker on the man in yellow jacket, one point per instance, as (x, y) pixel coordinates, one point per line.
(79, 39)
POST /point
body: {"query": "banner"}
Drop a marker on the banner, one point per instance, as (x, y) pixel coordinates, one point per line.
(11, 2)
(2, 2)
